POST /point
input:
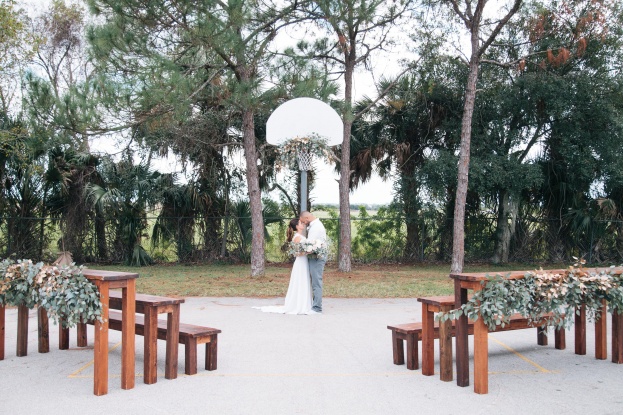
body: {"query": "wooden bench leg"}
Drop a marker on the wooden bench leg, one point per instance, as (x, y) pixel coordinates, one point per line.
(190, 352)
(22, 330)
(580, 331)
(412, 352)
(151, 346)
(211, 352)
(560, 342)
(2, 314)
(541, 336)
(43, 329)
(601, 333)
(617, 338)
(63, 337)
(82, 335)
(398, 349)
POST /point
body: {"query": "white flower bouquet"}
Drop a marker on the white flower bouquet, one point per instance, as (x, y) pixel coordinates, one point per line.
(313, 248)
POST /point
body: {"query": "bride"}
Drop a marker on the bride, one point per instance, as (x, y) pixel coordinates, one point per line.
(299, 297)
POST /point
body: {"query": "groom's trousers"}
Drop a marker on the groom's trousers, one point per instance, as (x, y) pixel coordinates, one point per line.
(316, 269)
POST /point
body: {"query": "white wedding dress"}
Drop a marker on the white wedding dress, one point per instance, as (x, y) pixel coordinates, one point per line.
(299, 296)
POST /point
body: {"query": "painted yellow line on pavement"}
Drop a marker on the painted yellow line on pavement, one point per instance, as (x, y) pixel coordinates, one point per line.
(75, 374)
(541, 368)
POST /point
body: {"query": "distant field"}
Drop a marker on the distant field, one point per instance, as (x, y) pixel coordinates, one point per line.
(366, 281)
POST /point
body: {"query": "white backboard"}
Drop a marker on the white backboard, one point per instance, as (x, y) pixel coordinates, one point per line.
(301, 117)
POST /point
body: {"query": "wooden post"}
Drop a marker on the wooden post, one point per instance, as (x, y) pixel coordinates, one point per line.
(2, 314)
(173, 340)
(462, 346)
(151, 346)
(560, 341)
(22, 330)
(445, 347)
(541, 336)
(481, 355)
(617, 337)
(428, 340)
(82, 334)
(63, 336)
(128, 351)
(580, 330)
(100, 349)
(601, 333)
(43, 330)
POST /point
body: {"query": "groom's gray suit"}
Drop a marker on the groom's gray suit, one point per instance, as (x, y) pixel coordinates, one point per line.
(317, 231)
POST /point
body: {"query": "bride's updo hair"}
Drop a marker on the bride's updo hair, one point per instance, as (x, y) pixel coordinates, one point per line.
(292, 228)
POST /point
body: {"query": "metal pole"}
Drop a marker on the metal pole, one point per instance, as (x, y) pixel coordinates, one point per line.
(303, 190)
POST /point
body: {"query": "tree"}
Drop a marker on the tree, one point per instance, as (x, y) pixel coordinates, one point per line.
(60, 97)
(411, 122)
(180, 49)
(17, 44)
(358, 29)
(472, 17)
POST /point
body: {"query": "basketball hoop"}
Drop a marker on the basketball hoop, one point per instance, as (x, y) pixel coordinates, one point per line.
(303, 128)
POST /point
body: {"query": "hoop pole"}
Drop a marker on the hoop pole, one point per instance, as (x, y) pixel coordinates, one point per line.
(303, 190)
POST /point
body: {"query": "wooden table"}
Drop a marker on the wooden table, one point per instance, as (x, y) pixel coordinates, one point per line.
(472, 281)
(105, 280)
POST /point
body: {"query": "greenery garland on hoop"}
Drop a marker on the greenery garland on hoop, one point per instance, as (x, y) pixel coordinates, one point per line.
(63, 291)
(314, 145)
(540, 293)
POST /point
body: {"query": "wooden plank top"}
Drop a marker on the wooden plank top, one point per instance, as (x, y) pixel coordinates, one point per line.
(101, 275)
(439, 300)
(482, 276)
(147, 300)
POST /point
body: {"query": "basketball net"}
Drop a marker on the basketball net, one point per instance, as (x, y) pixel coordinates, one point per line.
(305, 160)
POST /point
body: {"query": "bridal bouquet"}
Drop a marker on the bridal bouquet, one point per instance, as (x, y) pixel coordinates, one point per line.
(313, 248)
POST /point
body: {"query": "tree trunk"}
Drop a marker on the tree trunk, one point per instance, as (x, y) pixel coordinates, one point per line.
(100, 236)
(507, 218)
(344, 263)
(458, 238)
(255, 196)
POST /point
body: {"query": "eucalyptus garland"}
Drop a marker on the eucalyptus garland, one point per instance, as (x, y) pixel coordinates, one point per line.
(544, 297)
(65, 293)
(314, 145)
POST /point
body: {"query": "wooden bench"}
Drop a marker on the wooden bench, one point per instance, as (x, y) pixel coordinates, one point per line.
(413, 332)
(150, 306)
(190, 336)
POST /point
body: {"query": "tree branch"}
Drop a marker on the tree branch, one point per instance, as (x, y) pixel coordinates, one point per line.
(499, 27)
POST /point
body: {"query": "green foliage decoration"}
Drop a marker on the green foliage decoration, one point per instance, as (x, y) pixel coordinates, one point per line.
(548, 298)
(314, 145)
(65, 293)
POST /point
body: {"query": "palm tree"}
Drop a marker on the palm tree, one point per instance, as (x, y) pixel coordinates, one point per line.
(397, 135)
(128, 192)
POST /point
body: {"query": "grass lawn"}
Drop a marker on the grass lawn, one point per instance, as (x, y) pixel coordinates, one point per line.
(366, 281)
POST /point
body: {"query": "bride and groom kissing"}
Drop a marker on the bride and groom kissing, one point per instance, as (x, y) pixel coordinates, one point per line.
(305, 290)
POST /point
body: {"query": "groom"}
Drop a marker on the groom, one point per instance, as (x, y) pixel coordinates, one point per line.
(315, 230)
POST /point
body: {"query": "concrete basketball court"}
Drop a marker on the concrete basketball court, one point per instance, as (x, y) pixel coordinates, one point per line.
(339, 362)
